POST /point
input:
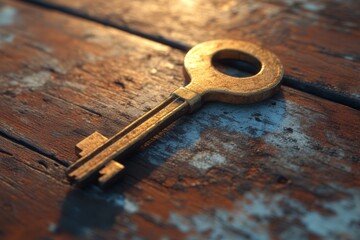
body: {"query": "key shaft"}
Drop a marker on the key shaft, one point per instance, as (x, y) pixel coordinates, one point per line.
(127, 140)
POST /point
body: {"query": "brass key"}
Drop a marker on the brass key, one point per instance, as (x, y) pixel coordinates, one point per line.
(206, 83)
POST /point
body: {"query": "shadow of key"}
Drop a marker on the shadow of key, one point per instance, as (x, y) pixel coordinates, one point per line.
(84, 211)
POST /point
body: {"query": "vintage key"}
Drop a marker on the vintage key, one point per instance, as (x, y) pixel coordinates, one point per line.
(100, 156)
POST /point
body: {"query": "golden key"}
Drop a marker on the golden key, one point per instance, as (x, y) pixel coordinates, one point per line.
(206, 84)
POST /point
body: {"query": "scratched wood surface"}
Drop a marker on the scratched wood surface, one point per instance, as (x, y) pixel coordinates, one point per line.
(284, 168)
(318, 42)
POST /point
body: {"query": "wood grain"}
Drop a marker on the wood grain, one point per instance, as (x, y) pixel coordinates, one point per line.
(286, 167)
(32, 188)
(317, 42)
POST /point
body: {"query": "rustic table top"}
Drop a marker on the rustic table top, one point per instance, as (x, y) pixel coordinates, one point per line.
(285, 168)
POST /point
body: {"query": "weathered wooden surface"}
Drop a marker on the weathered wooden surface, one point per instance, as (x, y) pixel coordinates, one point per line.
(284, 168)
(318, 42)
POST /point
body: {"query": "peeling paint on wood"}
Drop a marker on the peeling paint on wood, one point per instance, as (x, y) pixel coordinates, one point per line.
(6, 38)
(32, 82)
(252, 217)
(7, 15)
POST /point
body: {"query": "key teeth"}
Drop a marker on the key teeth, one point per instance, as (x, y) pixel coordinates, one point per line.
(110, 173)
(90, 143)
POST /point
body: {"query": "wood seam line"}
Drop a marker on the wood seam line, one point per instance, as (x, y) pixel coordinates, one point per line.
(33, 148)
(321, 92)
(78, 14)
(33, 168)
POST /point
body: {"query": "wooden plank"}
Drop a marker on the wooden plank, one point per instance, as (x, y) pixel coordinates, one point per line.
(286, 167)
(31, 187)
(317, 42)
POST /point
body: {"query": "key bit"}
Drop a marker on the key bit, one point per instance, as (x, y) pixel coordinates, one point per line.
(90, 143)
(98, 153)
(111, 171)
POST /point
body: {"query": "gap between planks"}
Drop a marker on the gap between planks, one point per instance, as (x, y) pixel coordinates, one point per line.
(32, 148)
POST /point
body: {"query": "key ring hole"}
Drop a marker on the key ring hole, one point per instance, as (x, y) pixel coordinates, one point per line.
(236, 63)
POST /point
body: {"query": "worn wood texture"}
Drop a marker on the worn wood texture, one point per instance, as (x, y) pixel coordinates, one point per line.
(318, 42)
(284, 168)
